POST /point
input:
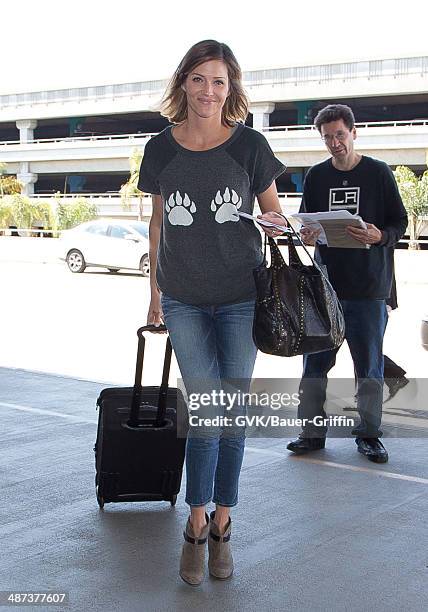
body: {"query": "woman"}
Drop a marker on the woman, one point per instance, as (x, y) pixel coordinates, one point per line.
(202, 171)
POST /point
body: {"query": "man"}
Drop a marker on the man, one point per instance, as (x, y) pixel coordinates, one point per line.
(361, 277)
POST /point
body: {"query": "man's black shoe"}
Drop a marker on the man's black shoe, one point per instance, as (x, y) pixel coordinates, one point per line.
(373, 449)
(306, 445)
(394, 385)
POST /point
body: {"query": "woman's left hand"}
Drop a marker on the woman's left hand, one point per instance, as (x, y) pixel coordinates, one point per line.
(273, 217)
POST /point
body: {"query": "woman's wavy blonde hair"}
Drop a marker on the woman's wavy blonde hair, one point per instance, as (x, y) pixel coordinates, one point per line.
(174, 101)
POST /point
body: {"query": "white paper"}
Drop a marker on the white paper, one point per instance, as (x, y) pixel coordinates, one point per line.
(332, 227)
(264, 222)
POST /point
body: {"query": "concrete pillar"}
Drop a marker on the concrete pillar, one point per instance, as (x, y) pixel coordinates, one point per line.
(26, 129)
(27, 179)
(261, 114)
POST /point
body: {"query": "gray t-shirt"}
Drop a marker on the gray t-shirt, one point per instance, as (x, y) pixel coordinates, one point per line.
(206, 251)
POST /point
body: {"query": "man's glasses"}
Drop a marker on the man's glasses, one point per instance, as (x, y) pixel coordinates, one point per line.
(340, 136)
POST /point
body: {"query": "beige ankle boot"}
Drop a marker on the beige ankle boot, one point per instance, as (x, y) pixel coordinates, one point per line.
(192, 562)
(220, 562)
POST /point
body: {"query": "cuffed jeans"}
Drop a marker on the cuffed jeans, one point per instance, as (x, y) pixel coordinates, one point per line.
(365, 324)
(213, 346)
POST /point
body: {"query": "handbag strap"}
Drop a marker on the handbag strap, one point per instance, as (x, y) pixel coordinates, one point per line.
(301, 244)
(277, 259)
(317, 266)
(292, 251)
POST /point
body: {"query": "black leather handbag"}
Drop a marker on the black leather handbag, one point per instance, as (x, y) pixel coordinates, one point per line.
(297, 310)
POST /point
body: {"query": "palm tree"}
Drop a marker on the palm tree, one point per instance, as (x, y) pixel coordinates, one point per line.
(2, 171)
(129, 189)
(8, 184)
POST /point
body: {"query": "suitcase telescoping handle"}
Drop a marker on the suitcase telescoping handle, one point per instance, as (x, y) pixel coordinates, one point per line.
(163, 390)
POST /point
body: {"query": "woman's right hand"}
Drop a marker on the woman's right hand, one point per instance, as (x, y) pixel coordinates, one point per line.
(155, 314)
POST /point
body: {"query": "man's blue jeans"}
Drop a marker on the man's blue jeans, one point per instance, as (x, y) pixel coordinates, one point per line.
(365, 324)
(213, 346)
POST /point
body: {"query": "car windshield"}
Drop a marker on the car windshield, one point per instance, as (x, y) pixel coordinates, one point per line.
(96, 228)
(119, 231)
(141, 228)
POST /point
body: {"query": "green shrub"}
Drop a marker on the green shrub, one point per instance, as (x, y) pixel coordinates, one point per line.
(25, 213)
(6, 216)
(23, 210)
(44, 215)
(414, 193)
(77, 211)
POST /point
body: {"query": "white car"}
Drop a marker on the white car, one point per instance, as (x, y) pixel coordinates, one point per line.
(108, 244)
(424, 332)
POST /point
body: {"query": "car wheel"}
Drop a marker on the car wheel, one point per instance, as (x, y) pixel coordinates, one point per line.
(145, 265)
(75, 261)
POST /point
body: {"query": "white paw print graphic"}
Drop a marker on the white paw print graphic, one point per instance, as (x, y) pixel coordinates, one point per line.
(226, 206)
(180, 210)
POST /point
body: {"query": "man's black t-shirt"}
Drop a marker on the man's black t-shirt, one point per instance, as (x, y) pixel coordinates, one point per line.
(369, 190)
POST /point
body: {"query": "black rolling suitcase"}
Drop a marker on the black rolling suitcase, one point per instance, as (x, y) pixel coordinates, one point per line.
(138, 454)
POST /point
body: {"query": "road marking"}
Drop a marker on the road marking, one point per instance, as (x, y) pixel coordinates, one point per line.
(356, 468)
(69, 417)
(265, 451)
(261, 451)
(342, 466)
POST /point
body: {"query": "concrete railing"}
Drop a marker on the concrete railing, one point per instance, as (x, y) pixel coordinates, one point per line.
(145, 136)
(110, 204)
(81, 139)
(367, 124)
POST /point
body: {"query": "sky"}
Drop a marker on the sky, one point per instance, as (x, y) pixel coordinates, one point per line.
(48, 44)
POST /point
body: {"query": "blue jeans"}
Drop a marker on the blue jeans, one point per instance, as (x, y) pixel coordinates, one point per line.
(365, 324)
(214, 347)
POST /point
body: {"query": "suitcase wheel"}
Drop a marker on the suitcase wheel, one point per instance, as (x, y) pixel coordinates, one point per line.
(100, 499)
(173, 500)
